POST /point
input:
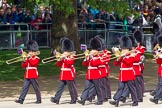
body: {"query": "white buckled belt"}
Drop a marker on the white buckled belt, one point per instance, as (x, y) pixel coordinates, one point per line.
(65, 69)
(126, 69)
(92, 68)
(101, 66)
(31, 68)
(135, 63)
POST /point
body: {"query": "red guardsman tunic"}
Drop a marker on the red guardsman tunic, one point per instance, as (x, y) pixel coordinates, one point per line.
(141, 49)
(136, 65)
(126, 68)
(31, 67)
(67, 69)
(159, 70)
(104, 67)
(93, 71)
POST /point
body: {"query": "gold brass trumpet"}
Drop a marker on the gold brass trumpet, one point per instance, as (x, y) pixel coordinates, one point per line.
(20, 58)
(116, 52)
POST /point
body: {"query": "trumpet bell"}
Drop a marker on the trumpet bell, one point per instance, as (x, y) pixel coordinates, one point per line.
(116, 51)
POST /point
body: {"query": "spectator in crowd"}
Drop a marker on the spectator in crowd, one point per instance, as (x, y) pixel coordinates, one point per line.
(47, 17)
(157, 18)
(26, 19)
(21, 14)
(100, 18)
(42, 11)
(11, 16)
(145, 12)
(91, 21)
(47, 11)
(2, 15)
(4, 4)
(36, 23)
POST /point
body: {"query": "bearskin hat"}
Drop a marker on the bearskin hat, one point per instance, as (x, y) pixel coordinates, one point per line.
(138, 35)
(32, 46)
(95, 44)
(133, 40)
(102, 41)
(125, 42)
(160, 41)
(66, 44)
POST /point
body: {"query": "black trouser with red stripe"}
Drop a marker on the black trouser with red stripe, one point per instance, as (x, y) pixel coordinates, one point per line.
(131, 88)
(105, 86)
(88, 85)
(71, 87)
(158, 94)
(138, 80)
(25, 88)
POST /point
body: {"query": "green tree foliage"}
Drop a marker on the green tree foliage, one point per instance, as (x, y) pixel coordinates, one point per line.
(121, 8)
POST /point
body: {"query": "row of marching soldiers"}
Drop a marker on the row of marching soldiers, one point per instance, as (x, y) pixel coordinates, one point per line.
(130, 79)
(96, 79)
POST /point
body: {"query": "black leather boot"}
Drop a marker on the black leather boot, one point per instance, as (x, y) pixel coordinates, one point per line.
(81, 102)
(19, 101)
(154, 100)
(98, 103)
(152, 93)
(134, 104)
(54, 100)
(123, 99)
(116, 103)
(73, 102)
(38, 102)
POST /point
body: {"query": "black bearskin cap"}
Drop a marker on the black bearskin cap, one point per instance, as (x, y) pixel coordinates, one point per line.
(125, 42)
(133, 40)
(66, 44)
(32, 46)
(138, 36)
(102, 41)
(160, 41)
(95, 44)
(155, 27)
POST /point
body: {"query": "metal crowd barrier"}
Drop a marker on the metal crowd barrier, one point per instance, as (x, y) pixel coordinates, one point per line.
(111, 33)
(13, 35)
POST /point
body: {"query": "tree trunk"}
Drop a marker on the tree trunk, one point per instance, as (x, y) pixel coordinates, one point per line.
(63, 26)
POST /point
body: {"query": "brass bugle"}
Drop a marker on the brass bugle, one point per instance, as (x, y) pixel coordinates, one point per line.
(20, 58)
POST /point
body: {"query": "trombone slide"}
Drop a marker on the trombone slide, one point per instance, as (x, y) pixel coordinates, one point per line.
(20, 58)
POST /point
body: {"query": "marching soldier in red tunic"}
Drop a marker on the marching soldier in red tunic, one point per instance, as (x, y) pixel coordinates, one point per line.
(141, 49)
(158, 92)
(137, 73)
(93, 73)
(105, 70)
(67, 72)
(31, 73)
(126, 76)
